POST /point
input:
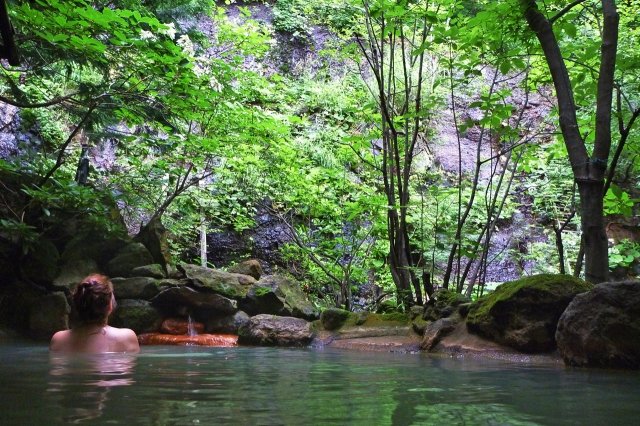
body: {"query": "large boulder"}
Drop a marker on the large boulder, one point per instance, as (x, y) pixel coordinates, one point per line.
(48, 314)
(154, 237)
(524, 314)
(333, 318)
(73, 272)
(249, 267)
(135, 288)
(601, 328)
(233, 286)
(435, 331)
(127, 259)
(92, 245)
(227, 324)
(278, 295)
(271, 330)
(173, 298)
(155, 270)
(137, 315)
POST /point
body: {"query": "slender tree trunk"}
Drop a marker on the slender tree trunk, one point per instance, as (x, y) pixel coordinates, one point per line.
(588, 171)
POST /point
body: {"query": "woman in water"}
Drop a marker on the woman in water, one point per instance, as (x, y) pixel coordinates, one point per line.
(94, 301)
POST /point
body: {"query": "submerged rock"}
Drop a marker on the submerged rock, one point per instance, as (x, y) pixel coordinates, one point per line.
(601, 328)
(271, 330)
(523, 314)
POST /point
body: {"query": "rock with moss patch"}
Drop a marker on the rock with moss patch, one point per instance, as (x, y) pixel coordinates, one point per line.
(126, 260)
(233, 286)
(154, 270)
(229, 324)
(442, 304)
(601, 328)
(172, 299)
(523, 314)
(48, 314)
(249, 267)
(333, 318)
(278, 295)
(137, 315)
(73, 272)
(135, 288)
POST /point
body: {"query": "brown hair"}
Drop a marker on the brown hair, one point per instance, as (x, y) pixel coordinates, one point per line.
(92, 298)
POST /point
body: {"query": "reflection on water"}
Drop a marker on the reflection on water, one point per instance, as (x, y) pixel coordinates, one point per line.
(266, 386)
(80, 384)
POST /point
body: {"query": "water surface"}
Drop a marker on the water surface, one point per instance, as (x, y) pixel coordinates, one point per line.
(265, 386)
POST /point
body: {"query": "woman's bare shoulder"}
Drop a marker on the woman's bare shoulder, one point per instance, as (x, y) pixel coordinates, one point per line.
(59, 341)
(126, 339)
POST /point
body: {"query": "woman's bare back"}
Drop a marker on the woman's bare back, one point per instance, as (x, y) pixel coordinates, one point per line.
(94, 339)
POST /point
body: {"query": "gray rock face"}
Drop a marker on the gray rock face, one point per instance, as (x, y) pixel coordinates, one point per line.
(229, 324)
(278, 295)
(137, 315)
(601, 328)
(192, 299)
(234, 286)
(126, 260)
(271, 330)
(135, 288)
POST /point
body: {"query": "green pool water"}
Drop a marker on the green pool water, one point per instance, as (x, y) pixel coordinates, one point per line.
(269, 386)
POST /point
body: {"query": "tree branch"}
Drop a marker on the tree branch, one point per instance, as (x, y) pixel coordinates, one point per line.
(565, 10)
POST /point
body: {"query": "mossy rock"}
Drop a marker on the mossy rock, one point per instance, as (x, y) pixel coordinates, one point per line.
(233, 286)
(334, 318)
(442, 304)
(524, 314)
(278, 295)
(392, 319)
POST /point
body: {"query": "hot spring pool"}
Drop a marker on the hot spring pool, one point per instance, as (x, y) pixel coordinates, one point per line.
(268, 386)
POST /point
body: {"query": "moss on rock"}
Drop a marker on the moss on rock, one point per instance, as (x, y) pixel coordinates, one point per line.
(524, 314)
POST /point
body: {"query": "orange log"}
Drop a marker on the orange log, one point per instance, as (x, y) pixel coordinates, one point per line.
(217, 340)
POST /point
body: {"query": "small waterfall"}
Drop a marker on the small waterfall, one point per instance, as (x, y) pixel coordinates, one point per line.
(191, 329)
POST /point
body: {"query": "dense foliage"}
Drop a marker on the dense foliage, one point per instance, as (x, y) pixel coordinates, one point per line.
(328, 116)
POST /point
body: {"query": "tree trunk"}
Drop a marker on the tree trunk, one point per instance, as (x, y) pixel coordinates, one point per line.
(593, 231)
(588, 171)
